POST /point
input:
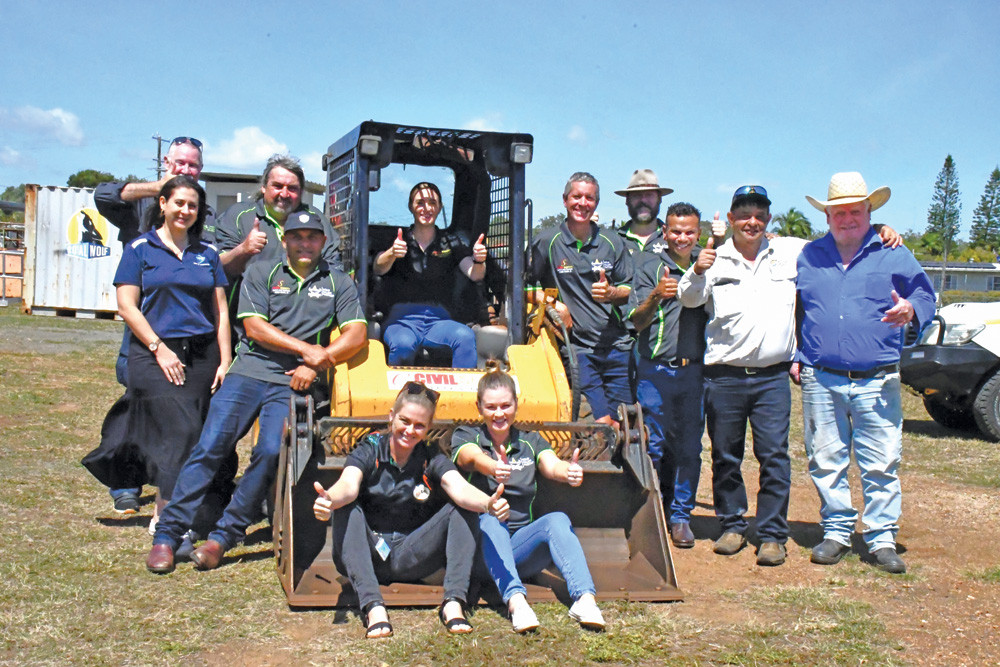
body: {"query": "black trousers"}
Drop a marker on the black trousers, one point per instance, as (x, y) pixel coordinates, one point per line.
(449, 539)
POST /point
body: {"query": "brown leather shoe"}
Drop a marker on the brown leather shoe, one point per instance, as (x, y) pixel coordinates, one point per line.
(208, 556)
(160, 559)
(681, 535)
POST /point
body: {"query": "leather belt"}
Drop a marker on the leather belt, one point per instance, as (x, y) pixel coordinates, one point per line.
(868, 374)
(723, 370)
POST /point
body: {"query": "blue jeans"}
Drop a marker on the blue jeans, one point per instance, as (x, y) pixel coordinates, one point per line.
(841, 416)
(546, 541)
(231, 414)
(673, 410)
(411, 326)
(765, 400)
(604, 380)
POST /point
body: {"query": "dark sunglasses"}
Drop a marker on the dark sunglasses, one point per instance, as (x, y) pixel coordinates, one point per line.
(750, 190)
(416, 388)
(186, 140)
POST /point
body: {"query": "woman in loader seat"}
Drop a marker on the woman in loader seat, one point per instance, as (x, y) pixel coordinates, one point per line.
(402, 511)
(502, 458)
(418, 276)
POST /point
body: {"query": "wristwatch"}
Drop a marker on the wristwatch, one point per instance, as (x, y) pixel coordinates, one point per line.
(155, 344)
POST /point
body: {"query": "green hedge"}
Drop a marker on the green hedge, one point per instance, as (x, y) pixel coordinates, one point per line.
(958, 296)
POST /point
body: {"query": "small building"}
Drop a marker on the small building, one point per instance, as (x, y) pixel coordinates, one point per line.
(224, 190)
(965, 276)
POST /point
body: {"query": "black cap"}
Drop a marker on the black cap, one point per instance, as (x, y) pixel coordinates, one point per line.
(303, 220)
(750, 194)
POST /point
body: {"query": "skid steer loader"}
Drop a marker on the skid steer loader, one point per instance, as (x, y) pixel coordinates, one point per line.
(617, 512)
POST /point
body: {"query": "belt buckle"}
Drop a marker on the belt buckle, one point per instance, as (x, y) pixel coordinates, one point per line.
(751, 371)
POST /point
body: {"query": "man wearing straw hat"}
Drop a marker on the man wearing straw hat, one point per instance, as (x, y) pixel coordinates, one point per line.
(856, 295)
(644, 230)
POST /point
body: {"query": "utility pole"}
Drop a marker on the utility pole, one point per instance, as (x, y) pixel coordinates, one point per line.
(159, 155)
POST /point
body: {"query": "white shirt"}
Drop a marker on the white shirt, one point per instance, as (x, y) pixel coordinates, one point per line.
(750, 305)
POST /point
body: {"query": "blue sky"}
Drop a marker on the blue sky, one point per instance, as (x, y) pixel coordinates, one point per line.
(709, 95)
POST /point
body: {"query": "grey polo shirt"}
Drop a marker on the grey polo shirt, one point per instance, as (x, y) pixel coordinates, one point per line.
(656, 244)
(236, 222)
(304, 308)
(676, 332)
(560, 260)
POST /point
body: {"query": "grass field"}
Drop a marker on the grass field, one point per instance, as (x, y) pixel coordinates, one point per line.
(75, 590)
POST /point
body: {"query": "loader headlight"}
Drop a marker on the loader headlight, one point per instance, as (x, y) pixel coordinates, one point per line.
(959, 334)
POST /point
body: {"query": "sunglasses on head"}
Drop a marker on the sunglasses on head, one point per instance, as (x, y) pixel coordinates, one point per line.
(416, 388)
(750, 190)
(186, 140)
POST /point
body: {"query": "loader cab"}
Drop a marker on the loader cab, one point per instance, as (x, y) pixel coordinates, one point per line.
(481, 176)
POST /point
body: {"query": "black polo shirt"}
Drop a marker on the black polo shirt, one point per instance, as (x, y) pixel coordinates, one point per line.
(304, 308)
(655, 244)
(236, 222)
(676, 332)
(426, 276)
(560, 260)
(387, 491)
(522, 452)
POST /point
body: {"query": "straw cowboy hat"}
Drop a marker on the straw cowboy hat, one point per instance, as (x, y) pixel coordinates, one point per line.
(848, 187)
(644, 180)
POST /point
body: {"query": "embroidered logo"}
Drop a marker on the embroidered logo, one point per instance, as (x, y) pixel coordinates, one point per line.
(280, 288)
(319, 292)
(658, 247)
(521, 463)
(598, 264)
(565, 266)
(199, 260)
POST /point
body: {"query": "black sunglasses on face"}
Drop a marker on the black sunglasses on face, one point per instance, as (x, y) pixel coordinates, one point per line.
(186, 140)
(417, 388)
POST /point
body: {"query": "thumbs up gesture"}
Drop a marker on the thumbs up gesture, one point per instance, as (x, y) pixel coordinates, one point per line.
(323, 507)
(666, 288)
(399, 244)
(479, 250)
(497, 506)
(574, 473)
(256, 239)
(718, 229)
(601, 290)
(706, 258)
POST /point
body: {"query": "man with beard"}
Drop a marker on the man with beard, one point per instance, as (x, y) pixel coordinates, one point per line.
(671, 346)
(643, 232)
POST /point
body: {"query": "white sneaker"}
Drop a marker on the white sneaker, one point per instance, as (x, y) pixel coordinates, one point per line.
(152, 524)
(586, 613)
(523, 618)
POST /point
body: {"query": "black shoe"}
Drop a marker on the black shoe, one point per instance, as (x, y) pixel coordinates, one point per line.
(187, 546)
(888, 560)
(829, 552)
(127, 504)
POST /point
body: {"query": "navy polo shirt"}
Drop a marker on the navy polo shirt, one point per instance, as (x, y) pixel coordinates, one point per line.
(676, 332)
(304, 308)
(387, 491)
(656, 244)
(522, 453)
(560, 260)
(177, 292)
(842, 307)
(426, 276)
(236, 223)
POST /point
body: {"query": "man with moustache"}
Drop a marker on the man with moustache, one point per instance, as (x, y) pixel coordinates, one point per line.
(644, 230)
(288, 308)
(671, 347)
(592, 271)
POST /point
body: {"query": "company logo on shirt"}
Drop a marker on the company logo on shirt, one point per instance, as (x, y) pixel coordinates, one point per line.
(565, 266)
(319, 292)
(441, 253)
(199, 260)
(280, 288)
(521, 463)
(598, 264)
(658, 247)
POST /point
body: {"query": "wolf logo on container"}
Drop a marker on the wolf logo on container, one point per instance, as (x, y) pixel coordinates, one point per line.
(87, 231)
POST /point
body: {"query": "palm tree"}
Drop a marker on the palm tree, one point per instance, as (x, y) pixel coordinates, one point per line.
(793, 223)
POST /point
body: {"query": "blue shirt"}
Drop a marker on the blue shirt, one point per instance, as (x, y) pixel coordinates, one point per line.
(177, 293)
(842, 307)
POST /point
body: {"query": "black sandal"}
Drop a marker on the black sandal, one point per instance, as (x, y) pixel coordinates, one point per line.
(452, 626)
(381, 625)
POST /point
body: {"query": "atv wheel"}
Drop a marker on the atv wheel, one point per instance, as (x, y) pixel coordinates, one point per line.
(948, 413)
(986, 408)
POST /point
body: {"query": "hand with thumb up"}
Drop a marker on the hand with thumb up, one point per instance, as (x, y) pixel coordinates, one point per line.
(479, 250)
(399, 244)
(601, 290)
(574, 473)
(256, 240)
(497, 506)
(706, 258)
(323, 507)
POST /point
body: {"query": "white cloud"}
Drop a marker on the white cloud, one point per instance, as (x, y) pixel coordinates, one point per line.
(9, 156)
(312, 164)
(249, 147)
(491, 122)
(59, 124)
(577, 135)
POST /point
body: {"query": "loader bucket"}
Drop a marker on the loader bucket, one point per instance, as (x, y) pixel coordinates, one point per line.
(617, 512)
